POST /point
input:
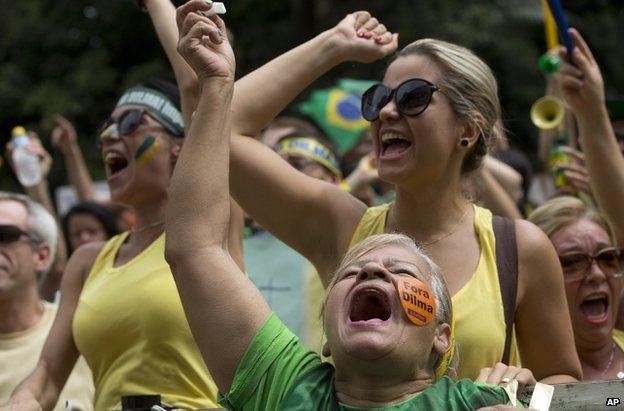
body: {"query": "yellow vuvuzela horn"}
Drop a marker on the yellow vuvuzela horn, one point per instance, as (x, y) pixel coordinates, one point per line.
(547, 113)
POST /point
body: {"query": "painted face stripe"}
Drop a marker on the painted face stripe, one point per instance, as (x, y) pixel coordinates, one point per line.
(146, 151)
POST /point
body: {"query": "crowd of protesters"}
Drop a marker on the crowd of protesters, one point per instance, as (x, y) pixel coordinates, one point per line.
(408, 275)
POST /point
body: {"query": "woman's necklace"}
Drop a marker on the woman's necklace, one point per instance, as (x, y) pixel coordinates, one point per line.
(604, 371)
(620, 374)
(440, 238)
(620, 371)
(147, 227)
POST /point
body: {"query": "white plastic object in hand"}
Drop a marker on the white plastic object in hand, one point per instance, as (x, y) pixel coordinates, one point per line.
(542, 396)
(217, 8)
(26, 164)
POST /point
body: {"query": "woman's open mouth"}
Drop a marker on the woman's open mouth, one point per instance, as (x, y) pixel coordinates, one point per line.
(370, 306)
(595, 308)
(115, 163)
(393, 144)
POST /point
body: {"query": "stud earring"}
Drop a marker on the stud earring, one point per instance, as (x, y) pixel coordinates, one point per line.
(464, 142)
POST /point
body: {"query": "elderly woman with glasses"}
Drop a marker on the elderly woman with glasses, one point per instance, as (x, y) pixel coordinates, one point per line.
(387, 315)
(432, 119)
(592, 273)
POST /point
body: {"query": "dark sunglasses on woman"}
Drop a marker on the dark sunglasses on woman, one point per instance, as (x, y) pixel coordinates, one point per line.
(576, 266)
(411, 97)
(128, 122)
(10, 234)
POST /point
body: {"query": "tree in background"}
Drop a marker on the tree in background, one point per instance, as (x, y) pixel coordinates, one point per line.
(73, 57)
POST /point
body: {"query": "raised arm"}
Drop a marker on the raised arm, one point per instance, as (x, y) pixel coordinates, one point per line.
(163, 15)
(264, 93)
(495, 197)
(223, 307)
(65, 138)
(543, 327)
(291, 203)
(583, 90)
(43, 386)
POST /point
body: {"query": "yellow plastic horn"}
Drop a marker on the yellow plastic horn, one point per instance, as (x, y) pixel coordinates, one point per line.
(552, 41)
(547, 113)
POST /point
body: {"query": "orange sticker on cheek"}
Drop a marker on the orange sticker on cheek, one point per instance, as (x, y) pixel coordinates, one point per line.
(417, 300)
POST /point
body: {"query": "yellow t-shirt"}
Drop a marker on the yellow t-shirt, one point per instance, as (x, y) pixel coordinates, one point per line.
(477, 307)
(130, 326)
(19, 354)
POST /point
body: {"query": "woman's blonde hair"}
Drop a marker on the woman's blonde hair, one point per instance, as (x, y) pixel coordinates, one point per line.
(444, 308)
(560, 212)
(471, 87)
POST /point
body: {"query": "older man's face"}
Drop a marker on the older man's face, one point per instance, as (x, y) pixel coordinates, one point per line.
(19, 259)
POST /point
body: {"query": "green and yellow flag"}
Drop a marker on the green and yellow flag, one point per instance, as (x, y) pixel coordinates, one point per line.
(338, 112)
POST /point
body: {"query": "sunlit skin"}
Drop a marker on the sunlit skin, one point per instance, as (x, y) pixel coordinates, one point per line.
(365, 351)
(127, 186)
(84, 228)
(433, 133)
(588, 237)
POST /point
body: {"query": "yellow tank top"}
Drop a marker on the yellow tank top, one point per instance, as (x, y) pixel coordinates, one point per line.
(130, 327)
(477, 307)
(618, 337)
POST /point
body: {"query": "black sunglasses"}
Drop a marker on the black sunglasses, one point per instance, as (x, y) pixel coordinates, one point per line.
(10, 234)
(576, 266)
(411, 97)
(128, 122)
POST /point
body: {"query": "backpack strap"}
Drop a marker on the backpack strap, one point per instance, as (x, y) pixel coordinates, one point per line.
(507, 266)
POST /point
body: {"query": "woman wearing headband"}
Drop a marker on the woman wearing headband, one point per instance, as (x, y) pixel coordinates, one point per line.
(119, 307)
(432, 119)
(396, 362)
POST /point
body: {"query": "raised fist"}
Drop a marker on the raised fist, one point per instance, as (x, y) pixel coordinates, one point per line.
(203, 41)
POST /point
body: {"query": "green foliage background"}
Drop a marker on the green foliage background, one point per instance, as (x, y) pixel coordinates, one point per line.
(74, 57)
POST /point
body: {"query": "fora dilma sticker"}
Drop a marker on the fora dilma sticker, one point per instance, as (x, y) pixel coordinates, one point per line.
(417, 300)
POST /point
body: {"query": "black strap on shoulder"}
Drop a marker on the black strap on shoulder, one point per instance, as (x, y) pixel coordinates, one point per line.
(507, 265)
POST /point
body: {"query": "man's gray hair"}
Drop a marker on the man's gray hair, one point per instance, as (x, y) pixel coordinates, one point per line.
(40, 222)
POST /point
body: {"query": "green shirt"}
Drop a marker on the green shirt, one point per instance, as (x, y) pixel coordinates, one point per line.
(278, 373)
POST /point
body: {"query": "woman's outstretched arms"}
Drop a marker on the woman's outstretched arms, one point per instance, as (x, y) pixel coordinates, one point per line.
(223, 307)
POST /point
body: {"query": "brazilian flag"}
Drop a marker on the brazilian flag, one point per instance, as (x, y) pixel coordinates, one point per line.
(338, 112)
